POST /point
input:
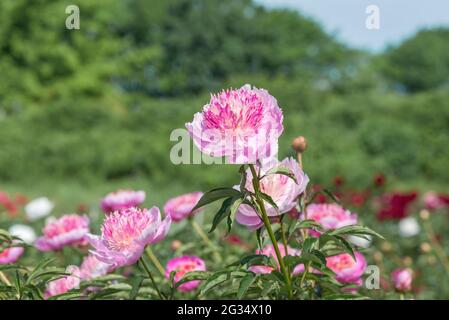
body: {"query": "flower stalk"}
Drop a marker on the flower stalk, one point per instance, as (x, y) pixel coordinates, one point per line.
(267, 224)
(147, 270)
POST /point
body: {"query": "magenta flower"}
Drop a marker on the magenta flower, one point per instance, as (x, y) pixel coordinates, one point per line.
(125, 233)
(65, 284)
(11, 255)
(242, 125)
(92, 268)
(70, 229)
(346, 268)
(270, 252)
(282, 189)
(122, 199)
(402, 279)
(183, 265)
(330, 216)
(180, 207)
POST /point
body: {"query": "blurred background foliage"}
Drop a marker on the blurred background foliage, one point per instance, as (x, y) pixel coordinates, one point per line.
(97, 105)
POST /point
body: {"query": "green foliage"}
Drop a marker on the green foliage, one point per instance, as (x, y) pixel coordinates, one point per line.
(421, 62)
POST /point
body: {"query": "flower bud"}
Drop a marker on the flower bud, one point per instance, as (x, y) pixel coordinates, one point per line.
(299, 144)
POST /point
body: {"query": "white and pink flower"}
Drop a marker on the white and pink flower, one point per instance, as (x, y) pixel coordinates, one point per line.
(402, 279)
(92, 268)
(347, 269)
(70, 229)
(126, 233)
(330, 216)
(64, 284)
(122, 199)
(282, 189)
(242, 125)
(10, 255)
(180, 207)
(183, 265)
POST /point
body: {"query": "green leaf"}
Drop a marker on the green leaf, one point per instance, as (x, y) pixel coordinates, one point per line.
(213, 281)
(332, 196)
(135, 284)
(222, 213)
(246, 282)
(354, 230)
(268, 199)
(214, 195)
(281, 170)
(242, 171)
(232, 212)
(193, 275)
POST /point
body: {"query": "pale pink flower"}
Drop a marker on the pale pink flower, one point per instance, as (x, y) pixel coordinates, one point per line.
(180, 207)
(92, 268)
(11, 255)
(242, 125)
(282, 189)
(330, 216)
(347, 269)
(269, 251)
(64, 284)
(126, 233)
(183, 265)
(70, 229)
(433, 201)
(122, 199)
(402, 279)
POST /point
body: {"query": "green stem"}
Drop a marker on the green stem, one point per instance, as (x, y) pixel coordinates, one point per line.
(267, 223)
(155, 261)
(147, 269)
(206, 239)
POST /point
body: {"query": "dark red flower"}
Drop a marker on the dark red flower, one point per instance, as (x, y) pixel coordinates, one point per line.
(395, 205)
(379, 179)
(339, 181)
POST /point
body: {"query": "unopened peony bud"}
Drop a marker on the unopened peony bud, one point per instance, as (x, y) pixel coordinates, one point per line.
(425, 247)
(424, 214)
(407, 261)
(175, 245)
(299, 144)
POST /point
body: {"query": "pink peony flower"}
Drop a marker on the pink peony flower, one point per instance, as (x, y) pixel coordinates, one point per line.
(330, 216)
(70, 229)
(65, 284)
(433, 201)
(11, 255)
(122, 199)
(183, 265)
(402, 279)
(242, 125)
(270, 252)
(346, 268)
(180, 207)
(92, 268)
(125, 233)
(283, 190)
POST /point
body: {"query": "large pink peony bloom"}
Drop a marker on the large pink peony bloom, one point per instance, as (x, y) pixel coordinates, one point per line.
(346, 268)
(402, 279)
(70, 229)
(283, 190)
(125, 233)
(64, 284)
(270, 252)
(330, 216)
(242, 125)
(122, 199)
(11, 255)
(92, 268)
(183, 265)
(180, 207)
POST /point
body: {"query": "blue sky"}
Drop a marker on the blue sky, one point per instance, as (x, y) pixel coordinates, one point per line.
(346, 18)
